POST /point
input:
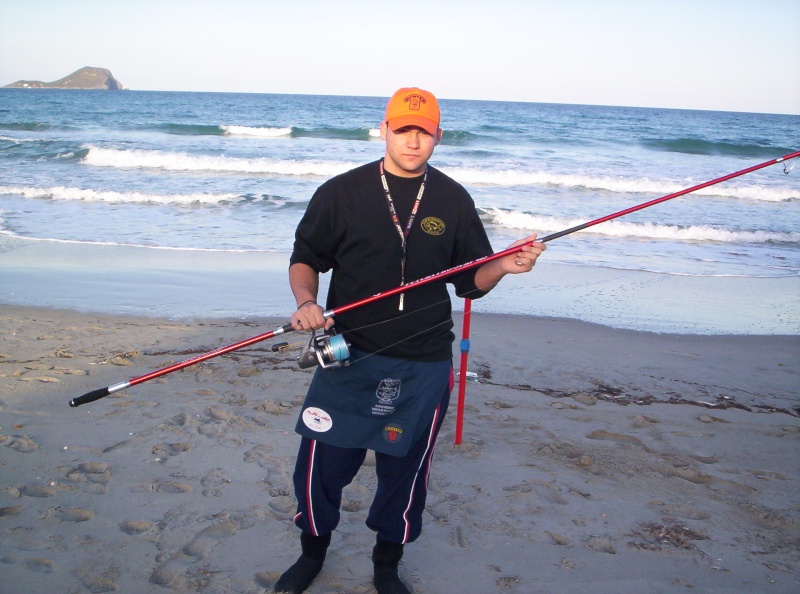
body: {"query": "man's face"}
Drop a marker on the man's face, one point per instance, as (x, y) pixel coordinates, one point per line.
(408, 149)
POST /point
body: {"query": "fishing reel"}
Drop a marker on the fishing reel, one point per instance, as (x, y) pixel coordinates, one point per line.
(328, 350)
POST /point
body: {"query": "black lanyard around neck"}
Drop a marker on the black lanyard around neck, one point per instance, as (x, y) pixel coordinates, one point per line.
(396, 221)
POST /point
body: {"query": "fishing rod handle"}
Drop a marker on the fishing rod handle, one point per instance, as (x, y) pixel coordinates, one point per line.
(98, 394)
(103, 392)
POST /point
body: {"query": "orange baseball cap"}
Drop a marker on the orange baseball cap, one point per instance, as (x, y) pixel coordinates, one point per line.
(411, 106)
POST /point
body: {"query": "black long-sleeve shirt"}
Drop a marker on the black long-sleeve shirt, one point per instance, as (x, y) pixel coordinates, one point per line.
(348, 228)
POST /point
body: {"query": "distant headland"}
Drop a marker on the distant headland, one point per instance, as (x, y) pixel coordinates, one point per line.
(85, 78)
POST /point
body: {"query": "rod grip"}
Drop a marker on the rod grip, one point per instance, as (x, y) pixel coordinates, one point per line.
(89, 397)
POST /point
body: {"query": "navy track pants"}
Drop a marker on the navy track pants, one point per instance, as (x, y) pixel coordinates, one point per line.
(322, 471)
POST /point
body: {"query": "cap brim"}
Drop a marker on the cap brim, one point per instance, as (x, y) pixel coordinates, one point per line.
(426, 124)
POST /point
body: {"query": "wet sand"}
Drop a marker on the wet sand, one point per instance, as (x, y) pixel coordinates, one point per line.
(194, 284)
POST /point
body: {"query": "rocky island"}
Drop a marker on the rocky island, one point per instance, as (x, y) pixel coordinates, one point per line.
(85, 78)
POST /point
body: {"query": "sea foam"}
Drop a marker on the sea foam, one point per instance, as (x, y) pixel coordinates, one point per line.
(700, 233)
(175, 161)
(88, 195)
(256, 132)
(643, 185)
(180, 161)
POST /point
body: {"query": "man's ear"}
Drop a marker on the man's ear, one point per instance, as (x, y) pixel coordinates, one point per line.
(438, 135)
(384, 127)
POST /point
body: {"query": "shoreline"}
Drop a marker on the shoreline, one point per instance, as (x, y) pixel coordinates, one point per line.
(192, 284)
(520, 335)
(593, 458)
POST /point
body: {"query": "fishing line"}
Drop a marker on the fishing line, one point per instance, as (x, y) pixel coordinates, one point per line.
(455, 316)
(402, 340)
(405, 315)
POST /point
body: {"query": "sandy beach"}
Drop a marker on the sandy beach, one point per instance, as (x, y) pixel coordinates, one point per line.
(594, 460)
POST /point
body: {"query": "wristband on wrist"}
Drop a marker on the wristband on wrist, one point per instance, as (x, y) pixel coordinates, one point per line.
(306, 303)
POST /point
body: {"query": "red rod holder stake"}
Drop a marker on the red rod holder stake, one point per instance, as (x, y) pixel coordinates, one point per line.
(462, 370)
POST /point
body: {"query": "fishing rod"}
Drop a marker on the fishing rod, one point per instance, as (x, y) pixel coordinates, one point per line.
(103, 392)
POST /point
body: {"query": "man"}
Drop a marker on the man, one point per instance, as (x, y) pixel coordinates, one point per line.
(378, 227)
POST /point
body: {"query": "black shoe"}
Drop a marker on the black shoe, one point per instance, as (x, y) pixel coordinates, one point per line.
(385, 558)
(299, 576)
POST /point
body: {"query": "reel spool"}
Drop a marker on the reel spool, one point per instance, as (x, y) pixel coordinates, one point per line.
(326, 350)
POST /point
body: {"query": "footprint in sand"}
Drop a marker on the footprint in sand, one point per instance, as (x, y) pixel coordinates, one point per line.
(93, 477)
(278, 479)
(355, 498)
(220, 413)
(21, 444)
(41, 565)
(273, 408)
(458, 538)
(179, 420)
(693, 475)
(543, 490)
(41, 378)
(13, 510)
(252, 516)
(602, 434)
(601, 544)
(163, 486)
(217, 421)
(282, 507)
(165, 450)
(548, 492)
(234, 399)
(73, 514)
(37, 491)
(94, 467)
(455, 504)
(170, 574)
(214, 483)
(94, 583)
(267, 579)
(138, 528)
(260, 454)
(205, 540)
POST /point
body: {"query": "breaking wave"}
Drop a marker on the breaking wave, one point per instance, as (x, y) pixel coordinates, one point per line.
(180, 161)
(172, 161)
(66, 193)
(615, 184)
(700, 233)
(256, 132)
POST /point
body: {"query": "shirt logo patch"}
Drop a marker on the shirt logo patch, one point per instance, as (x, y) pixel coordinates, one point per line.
(432, 225)
(317, 419)
(393, 433)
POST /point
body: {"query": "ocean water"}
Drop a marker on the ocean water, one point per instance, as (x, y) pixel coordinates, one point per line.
(233, 173)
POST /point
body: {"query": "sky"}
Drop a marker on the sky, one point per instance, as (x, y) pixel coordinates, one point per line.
(725, 55)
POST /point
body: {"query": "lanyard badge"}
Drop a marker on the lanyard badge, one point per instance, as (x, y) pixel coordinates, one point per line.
(396, 220)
